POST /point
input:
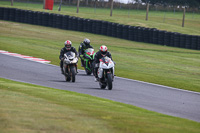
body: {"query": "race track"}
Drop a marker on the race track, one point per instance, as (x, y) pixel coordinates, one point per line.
(166, 100)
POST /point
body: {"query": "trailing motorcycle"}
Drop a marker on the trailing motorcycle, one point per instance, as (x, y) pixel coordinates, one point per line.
(88, 60)
(106, 72)
(70, 66)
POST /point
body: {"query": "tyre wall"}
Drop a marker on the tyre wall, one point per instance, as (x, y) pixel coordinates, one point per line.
(133, 33)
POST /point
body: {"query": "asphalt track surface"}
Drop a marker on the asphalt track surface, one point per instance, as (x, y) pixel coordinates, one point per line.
(162, 99)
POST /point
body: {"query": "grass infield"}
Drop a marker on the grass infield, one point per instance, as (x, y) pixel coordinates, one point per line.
(32, 108)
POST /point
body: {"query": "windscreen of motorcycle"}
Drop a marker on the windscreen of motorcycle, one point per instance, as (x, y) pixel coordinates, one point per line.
(71, 55)
(89, 51)
(106, 62)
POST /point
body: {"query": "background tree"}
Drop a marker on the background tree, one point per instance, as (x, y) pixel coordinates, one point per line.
(190, 3)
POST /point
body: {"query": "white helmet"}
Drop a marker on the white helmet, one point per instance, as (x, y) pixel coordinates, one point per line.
(86, 41)
(103, 49)
(68, 44)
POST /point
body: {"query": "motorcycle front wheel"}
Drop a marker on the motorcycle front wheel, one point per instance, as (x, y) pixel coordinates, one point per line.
(73, 73)
(109, 81)
(67, 77)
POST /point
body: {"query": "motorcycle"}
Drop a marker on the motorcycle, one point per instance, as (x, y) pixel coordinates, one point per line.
(70, 66)
(106, 72)
(88, 60)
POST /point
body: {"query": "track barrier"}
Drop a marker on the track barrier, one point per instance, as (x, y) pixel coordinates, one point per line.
(133, 33)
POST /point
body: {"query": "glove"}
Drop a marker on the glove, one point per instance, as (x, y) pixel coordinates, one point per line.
(62, 58)
(81, 56)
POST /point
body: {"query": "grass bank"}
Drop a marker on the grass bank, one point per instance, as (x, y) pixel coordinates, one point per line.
(163, 65)
(31, 108)
(168, 21)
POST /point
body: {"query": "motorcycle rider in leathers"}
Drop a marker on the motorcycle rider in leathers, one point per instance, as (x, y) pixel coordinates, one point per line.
(83, 46)
(68, 47)
(102, 52)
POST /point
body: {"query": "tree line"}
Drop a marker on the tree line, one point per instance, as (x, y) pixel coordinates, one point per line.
(187, 3)
(194, 5)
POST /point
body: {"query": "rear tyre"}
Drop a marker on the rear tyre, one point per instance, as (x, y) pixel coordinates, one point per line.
(67, 78)
(109, 81)
(87, 71)
(102, 85)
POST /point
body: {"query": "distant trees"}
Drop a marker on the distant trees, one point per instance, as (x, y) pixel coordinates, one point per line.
(190, 3)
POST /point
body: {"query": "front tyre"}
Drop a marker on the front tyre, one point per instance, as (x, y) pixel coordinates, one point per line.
(87, 65)
(73, 73)
(67, 77)
(109, 81)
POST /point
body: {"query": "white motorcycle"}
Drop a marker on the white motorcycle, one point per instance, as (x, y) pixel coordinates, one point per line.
(70, 66)
(106, 72)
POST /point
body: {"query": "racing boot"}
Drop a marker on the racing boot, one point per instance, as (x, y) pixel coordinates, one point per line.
(82, 63)
(76, 69)
(96, 79)
(62, 72)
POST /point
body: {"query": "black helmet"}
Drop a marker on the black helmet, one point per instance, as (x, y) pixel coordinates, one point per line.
(86, 41)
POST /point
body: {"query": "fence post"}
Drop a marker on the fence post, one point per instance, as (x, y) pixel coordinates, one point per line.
(147, 12)
(183, 17)
(44, 4)
(12, 2)
(77, 6)
(59, 9)
(111, 8)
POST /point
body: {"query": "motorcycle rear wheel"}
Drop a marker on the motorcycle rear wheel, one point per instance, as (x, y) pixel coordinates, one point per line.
(88, 72)
(67, 78)
(102, 85)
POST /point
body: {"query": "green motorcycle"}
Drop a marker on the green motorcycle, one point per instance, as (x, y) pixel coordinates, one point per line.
(88, 60)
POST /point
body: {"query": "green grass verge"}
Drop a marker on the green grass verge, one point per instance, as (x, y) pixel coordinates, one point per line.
(168, 21)
(163, 65)
(31, 108)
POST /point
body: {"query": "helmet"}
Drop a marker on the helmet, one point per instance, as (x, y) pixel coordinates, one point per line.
(68, 44)
(86, 41)
(103, 49)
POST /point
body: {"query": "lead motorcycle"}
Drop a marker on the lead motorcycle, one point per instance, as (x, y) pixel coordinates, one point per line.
(88, 60)
(106, 72)
(70, 66)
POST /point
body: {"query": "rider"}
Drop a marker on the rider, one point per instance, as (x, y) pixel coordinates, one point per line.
(83, 46)
(68, 47)
(102, 52)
